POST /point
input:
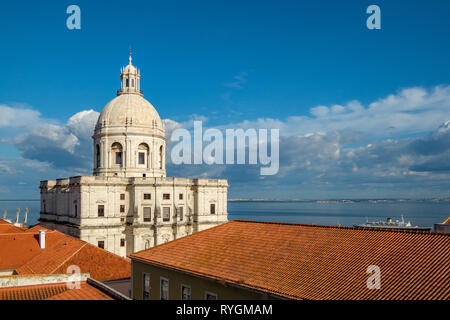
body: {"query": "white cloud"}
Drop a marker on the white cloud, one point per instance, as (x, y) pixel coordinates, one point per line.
(82, 123)
(410, 111)
(18, 116)
(66, 146)
(349, 150)
(238, 81)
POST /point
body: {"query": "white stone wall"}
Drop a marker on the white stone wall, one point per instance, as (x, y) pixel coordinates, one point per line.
(88, 192)
(154, 161)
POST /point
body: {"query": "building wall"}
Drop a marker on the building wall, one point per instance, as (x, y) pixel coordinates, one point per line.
(154, 161)
(71, 206)
(199, 286)
(123, 286)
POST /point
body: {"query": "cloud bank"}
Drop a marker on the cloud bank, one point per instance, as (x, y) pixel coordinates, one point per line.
(396, 146)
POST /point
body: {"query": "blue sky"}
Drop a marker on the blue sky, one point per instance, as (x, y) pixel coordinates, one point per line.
(235, 61)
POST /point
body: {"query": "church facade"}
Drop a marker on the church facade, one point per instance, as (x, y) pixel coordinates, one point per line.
(129, 204)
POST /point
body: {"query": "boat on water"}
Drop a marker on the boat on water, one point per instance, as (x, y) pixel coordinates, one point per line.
(16, 221)
(390, 224)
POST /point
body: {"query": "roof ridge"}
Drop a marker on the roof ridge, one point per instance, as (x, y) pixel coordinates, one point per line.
(68, 258)
(30, 262)
(106, 251)
(195, 233)
(89, 244)
(343, 227)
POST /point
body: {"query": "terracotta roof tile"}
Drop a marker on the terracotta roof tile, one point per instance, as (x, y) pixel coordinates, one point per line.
(313, 262)
(58, 291)
(21, 252)
(8, 227)
(86, 292)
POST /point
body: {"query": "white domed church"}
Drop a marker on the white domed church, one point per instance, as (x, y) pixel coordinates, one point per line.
(129, 204)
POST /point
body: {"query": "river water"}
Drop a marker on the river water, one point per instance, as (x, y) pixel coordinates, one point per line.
(424, 214)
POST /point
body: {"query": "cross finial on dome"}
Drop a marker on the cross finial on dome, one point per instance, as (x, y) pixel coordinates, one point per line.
(129, 59)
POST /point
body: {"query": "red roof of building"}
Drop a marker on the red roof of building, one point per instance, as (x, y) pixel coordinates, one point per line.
(8, 227)
(57, 291)
(311, 261)
(21, 252)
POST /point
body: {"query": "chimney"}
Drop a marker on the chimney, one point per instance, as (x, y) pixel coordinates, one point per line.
(42, 238)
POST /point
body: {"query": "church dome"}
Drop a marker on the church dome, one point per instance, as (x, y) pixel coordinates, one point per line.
(129, 110)
(129, 137)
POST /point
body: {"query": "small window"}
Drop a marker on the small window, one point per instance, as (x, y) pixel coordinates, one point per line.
(166, 196)
(147, 196)
(180, 213)
(122, 196)
(97, 156)
(147, 214)
(132, 82)
(127, 85)
(101, 210)
(166, 214)
(122, 208)
(141, 157)
(185, 292)
(101, 244)
(122, 242)
(76, 210)
(210, 296)
(180, 196)
(119, 157)
(164, 289)
(45, 207)
(212, 208)
(146, 291)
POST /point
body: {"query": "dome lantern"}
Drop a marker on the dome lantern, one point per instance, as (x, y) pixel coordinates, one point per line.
(130, 79)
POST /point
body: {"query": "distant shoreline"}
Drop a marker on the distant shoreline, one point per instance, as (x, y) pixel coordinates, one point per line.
(301, 201)
(341, 200)
(19, 200)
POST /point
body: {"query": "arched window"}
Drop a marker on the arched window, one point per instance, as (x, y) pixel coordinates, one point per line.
(116, 150)
(147, 244)
(143, 151)
(161, 151)
(127, 85)
(97, 156)
(132, 83)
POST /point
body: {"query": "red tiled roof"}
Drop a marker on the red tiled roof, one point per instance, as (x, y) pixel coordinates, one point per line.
(8, 227)
(58, 291)
(21, 252)
(313, 262)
